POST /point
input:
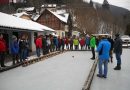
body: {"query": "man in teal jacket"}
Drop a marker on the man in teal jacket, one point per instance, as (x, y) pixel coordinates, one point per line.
(93, 45)
(103, 50)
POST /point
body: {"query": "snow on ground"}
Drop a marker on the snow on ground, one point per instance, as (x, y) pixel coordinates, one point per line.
(117, 80)
(62, 72)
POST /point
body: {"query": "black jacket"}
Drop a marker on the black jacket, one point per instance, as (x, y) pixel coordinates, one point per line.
(118, 45)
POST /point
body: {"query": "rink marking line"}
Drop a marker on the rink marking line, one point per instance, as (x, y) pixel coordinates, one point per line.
(90, 76)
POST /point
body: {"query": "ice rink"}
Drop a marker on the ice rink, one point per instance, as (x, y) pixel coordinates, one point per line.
(67, 71)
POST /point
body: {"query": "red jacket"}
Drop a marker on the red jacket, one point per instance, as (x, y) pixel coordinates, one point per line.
(82, 42)
(38, 42)
(2, 45)
(66, 41)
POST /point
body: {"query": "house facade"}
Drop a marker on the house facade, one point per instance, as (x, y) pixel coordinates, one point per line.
(58, 22)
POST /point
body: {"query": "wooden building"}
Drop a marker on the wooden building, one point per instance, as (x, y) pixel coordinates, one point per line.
(59, 22)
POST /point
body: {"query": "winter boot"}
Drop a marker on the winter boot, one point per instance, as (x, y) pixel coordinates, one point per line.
(118, 67)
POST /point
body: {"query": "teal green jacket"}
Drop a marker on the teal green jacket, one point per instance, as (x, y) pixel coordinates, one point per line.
(93, 42)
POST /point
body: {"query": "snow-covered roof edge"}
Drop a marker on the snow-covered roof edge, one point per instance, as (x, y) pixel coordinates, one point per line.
(15, 22)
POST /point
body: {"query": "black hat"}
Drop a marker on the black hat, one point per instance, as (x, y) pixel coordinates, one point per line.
(117, 35)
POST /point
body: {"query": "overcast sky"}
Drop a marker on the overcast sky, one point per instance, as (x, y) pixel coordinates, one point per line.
(121, 3)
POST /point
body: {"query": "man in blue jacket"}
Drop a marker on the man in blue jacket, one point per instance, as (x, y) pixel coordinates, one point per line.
(103, 50)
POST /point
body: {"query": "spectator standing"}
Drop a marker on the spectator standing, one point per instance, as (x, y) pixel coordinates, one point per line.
(76, 43)
(111, 50)
(27, 47)
(15, 49)
(67, 43)
(48, 44)
(118, 51)
(55, 40)
(3, 49)
(93, 45)
(59, 43)
(22, 48)
(71, 43)
(38, 43)
(44, 45)
(103, 49)
(87, 41)
(52, 47)
(82, 43)
(62, 43)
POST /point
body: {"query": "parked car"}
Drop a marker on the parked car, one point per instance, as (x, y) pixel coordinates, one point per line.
(126, 40)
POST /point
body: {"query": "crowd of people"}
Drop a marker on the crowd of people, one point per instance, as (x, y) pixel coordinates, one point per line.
(105, 46)
(20, 47)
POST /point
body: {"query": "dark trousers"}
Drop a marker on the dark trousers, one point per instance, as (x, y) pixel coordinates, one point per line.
(71, 47)
(76, 47)
(2, 58)
(15, 58)
(23, 53)
(93, 52)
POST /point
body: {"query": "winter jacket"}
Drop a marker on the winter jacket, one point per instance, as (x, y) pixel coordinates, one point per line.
(44, 43)
(3, 47)
(71, 42)
(82, 42)
(87, 41)
(39, 43)
(118, 45)
(105, 46)
(22, 44)
(55, 40)
(14, 47)
(66, 41)
(93, 42)
(76, 42)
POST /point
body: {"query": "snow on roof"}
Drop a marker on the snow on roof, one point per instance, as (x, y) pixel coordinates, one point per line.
(20, 14)
(35, 17)
(61, 11)
(49, 5)
(29, 8)
(61, 14)
(62, 17)
(15, 22)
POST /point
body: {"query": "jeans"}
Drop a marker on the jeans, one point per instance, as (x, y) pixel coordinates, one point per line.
(118, 58)
(105, 63)
(38, 52)
(23, 54)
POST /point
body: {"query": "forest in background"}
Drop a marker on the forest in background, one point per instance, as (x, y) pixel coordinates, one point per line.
(86, 18)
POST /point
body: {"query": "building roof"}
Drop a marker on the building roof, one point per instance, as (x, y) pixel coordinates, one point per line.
(19, 23)
(60, 14)
(20, 14)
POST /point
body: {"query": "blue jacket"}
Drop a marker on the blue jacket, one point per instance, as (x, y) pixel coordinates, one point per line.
(87, 40)
(105, 44)
(14, 47)
(55, 40)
